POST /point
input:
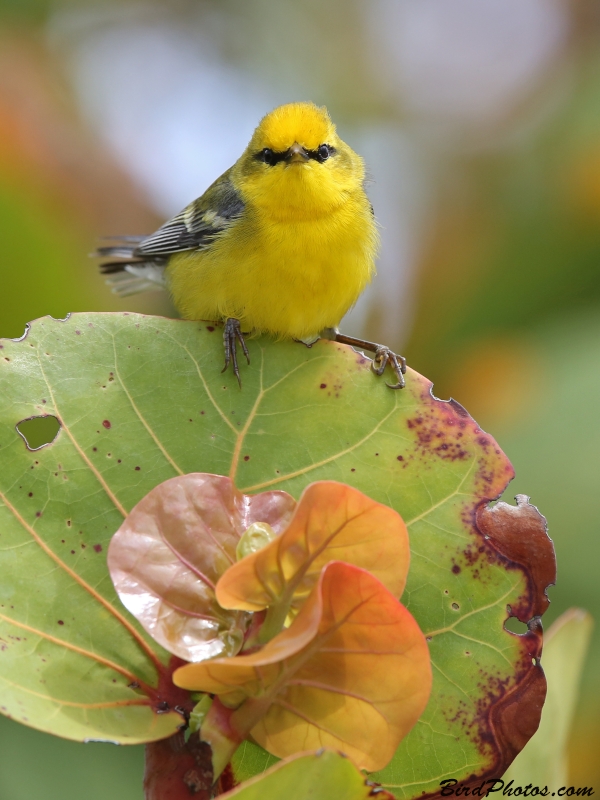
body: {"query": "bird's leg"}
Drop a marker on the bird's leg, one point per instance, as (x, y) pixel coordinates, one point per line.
(383, 355)
(232, 333)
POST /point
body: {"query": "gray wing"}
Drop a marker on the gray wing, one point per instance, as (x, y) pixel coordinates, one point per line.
(198, 224)
(141, 261)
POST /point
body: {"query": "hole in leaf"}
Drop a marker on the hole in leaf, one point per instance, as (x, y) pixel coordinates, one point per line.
(38, 431)
(513, 625)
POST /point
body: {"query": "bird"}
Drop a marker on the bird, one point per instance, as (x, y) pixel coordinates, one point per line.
(283, 243)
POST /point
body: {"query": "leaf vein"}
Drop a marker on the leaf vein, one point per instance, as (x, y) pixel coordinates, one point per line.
(68, 646)
(141, 417)
(205, 385)
(86, 586)
(324, 461)
(79, 449)
(108, 704)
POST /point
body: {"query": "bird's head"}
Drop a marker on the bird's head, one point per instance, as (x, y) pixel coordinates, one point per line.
(296, 166)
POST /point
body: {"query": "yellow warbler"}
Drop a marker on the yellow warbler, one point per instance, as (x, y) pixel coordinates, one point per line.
(282, 243)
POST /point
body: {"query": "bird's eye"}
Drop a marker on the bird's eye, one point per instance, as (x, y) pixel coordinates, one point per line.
(268, 156)
(323, 152)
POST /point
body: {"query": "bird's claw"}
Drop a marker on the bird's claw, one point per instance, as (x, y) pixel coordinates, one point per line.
(232, 333)
(383, 357)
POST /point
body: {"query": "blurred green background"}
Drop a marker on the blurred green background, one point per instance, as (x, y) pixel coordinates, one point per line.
(480, 124)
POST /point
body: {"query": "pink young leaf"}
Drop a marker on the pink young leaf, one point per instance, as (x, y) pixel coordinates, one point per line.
(168, 555)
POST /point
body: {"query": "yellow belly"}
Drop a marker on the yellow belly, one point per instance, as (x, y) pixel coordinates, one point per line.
(290, 279)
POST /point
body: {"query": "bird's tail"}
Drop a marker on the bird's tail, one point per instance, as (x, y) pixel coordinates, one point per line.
(130, 273)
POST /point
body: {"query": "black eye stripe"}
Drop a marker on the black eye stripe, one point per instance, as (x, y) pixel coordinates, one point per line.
(271, 157)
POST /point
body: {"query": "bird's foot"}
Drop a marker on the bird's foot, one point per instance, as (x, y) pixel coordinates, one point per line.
(383, 356)
(232, 333)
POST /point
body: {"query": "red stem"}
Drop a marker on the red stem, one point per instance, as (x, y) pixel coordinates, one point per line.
(178, 770)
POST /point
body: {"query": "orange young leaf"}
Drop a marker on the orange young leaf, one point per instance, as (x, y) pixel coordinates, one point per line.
(168, 555)
(332, 521)
(352, 672)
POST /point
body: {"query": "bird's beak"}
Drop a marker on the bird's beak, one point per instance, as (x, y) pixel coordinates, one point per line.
(296, 154)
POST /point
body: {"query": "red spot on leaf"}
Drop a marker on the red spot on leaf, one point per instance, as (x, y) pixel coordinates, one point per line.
(106, 423)
(98, 548)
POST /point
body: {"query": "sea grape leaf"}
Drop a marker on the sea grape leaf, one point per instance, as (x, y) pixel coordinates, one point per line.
(351, 672)
(332, 521)
(177, 547)
(168, 555)
(319, 776)
(140, 400)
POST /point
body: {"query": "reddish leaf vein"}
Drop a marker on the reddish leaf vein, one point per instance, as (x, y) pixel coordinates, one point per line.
(96, 595)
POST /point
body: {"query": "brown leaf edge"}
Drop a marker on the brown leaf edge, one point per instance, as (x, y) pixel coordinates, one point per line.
(518, 538)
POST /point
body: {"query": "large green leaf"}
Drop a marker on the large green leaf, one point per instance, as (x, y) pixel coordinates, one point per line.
(141, 399)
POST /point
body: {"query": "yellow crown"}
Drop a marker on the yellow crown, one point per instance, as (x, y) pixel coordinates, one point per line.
(304, 123)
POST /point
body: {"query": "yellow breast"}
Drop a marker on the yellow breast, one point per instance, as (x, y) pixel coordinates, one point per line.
(287, 277)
